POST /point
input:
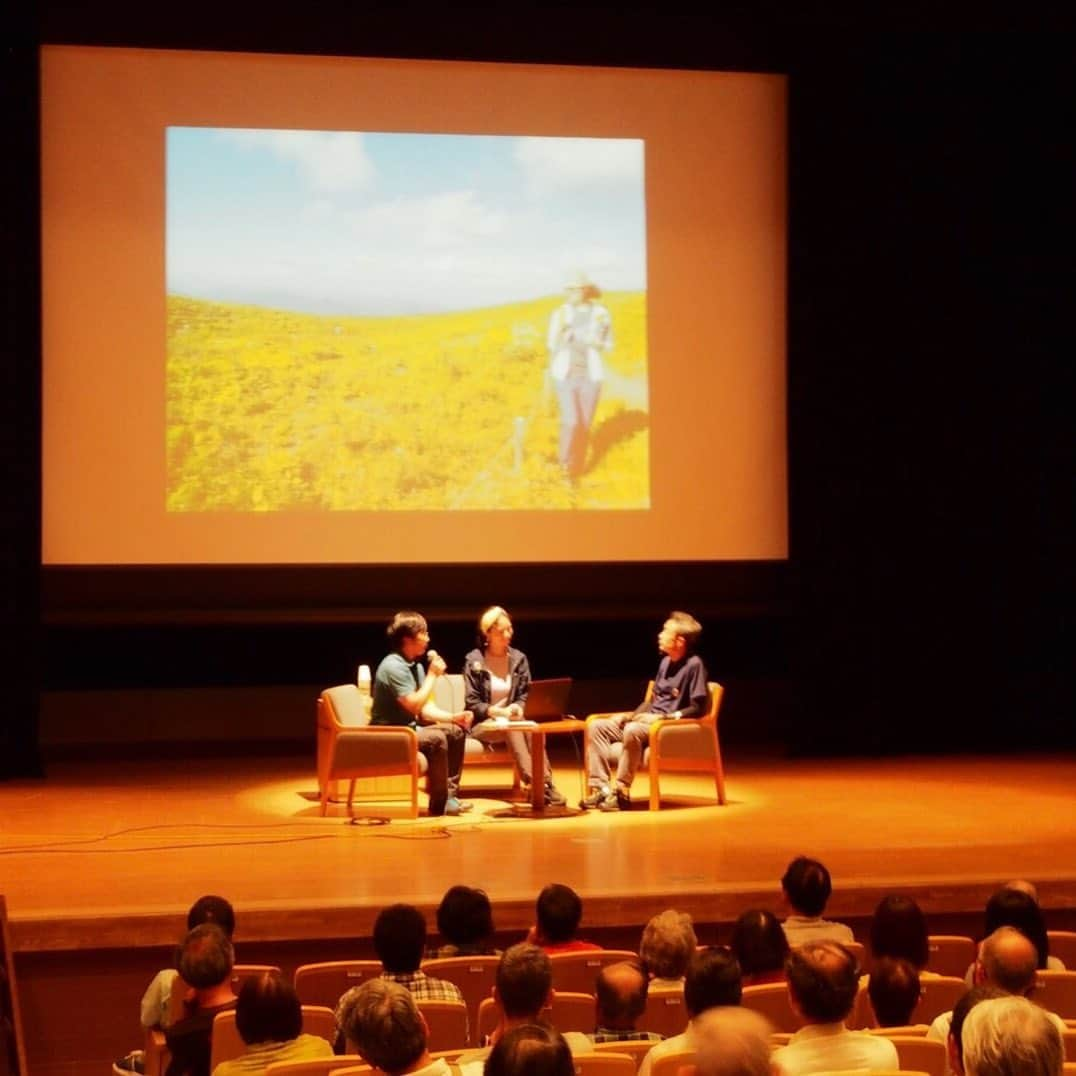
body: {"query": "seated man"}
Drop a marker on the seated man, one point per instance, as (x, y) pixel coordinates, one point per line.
(403, 695)
(205, 965)
(382, 1024)
(558, 912)
(621, 991)
(893, 989)
(1011, 1036)
(531, 1050)
(680, 690)
(733, 1042)
(822, 984)
(806, 889)
(713, 980)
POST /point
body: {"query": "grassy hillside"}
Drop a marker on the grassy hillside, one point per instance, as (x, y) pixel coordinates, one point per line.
(269, 410)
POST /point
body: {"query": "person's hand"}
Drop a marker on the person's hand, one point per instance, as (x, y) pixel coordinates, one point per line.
(436, 664)
(464, 719)
(515, 712)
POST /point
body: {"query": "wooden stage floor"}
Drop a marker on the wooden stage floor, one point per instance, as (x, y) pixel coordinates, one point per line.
(99, 855)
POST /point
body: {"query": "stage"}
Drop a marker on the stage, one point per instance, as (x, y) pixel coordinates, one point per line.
(101, 861)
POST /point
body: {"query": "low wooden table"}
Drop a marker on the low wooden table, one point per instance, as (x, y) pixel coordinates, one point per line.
(539, 730)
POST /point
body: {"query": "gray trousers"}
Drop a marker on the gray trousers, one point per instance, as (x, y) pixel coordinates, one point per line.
(519, 744)
(633, 733)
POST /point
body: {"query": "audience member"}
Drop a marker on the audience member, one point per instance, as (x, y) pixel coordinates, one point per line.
(530, 1050)
(1014, 906)
(667, 945)
(522, 990)
(1007, 960)
(733, 1042)
(205, 965)
(1011, 1037)
(465, 923)
(760, 946)
(953, 1044)
(894, 991)
(713, 979)
(823, 980)
(269, 1020)
(899, 930)
(621, 991)
(558, 911)
(807, 887)
(382, 1024)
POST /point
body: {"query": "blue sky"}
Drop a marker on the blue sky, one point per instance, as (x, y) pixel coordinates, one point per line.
(359, 223)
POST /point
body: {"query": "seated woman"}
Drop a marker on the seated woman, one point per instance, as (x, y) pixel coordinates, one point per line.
(465, 923)
(899, 930)
(760, 946)
(497, 678)
(1016, 905)
(269, 1020)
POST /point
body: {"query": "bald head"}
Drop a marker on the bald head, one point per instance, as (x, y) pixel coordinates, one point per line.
(1008, 960)
(621, 991)
(822, 981)
(732, 1042)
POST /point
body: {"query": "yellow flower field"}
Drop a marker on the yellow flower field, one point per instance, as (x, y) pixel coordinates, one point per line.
(270, 411)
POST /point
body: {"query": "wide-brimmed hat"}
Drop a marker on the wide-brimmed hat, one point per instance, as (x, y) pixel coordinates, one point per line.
(582, 281)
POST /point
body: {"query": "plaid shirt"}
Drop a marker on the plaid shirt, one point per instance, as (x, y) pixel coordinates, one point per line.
(422, 988)
(607, 1034)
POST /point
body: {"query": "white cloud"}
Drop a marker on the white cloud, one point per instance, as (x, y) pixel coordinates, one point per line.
(452, 219)
(329, 161)
(559, 163)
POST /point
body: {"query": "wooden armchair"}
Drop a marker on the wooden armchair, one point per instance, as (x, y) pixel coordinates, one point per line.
(684, 746)
(349, 747)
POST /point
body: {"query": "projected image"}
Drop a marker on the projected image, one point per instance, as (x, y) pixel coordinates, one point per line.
(363, 321)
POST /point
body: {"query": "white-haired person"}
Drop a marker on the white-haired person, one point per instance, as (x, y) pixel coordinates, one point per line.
(1011, 1036)
(497, 679)
(580, 329)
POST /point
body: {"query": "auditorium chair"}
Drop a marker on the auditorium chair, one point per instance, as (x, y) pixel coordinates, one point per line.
(937, 996)
(327, 982)
(670, 1064)
(474, 975)
(685, 746)
(1063, 946)
(771, 1000)
(917, 1053)
(636, 1049)
(1069, 1037)
(950, 954)
(577, 971)
(349, 747)
(227, 1043)
(665, 1011)
(321, 1066)
(1056, 991)
(604, 1064)
(446, 1024)
(569, 1012)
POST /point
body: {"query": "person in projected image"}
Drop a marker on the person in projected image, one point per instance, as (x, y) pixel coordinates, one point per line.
(497, 678)
(680, 691)
(579, 331)
(403, 695)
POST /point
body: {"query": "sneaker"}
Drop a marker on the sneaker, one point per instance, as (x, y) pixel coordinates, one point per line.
(133, 1062)
(455, 807)
(594, 798)
(553, 797)
(610, 803)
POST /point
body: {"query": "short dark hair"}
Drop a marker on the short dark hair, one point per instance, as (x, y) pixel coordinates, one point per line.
(524, 979)
(807, 884)
(759, 942)
(206, 957)
(621, 1001)
(713, 978)
(823, 980)
(400, 938)
(559, 911)
(530, 1050)
(894, 990)
(964, 1004)
(405, 625)
(382, 1021)
(268, 1010)
(1010, 907)
(465, 916)
(210, 909)
(899, 929)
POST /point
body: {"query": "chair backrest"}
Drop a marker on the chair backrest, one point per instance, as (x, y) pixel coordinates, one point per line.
(1069, 1037)
(861, 953)
(321, 1066)
(569, 1012)
(474, 975)
(950, 954)
(226, 1043)
(346, 705)
(1056, 991)
(576, 972)
(449, 692)
(921, 1054)
(637, 1049)
(670, 1064)
(937, 996)
(604, 1064)
(319, 1020)
(446, 1022)
(665, 1011)
(904, 1030)
(327, 982)
(771, 1000)
(1063, 946)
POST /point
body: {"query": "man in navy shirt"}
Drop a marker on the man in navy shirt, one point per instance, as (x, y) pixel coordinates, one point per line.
(403, 695)
(680, 690)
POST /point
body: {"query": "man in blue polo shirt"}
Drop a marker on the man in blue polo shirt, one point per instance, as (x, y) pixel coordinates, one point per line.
(403, 695)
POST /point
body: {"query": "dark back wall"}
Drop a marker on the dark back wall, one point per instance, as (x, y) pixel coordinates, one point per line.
(925, 603)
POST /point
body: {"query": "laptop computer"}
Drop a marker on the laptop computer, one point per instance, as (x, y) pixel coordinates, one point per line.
(547, 700)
